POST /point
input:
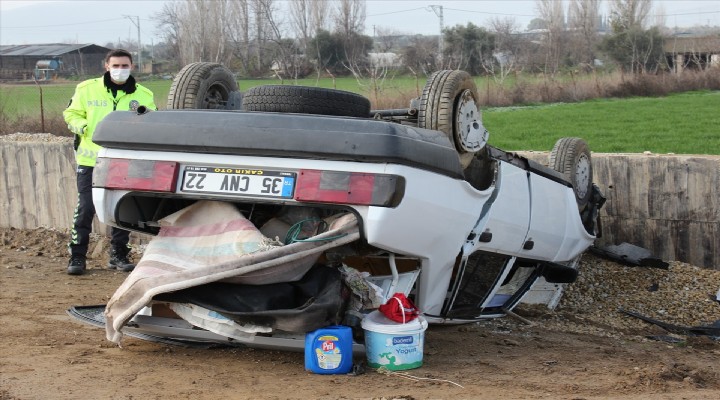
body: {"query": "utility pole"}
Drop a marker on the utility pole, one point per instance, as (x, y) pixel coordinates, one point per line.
(439, 12)
(139, 53)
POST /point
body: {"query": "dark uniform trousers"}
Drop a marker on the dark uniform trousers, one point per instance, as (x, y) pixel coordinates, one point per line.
(83, 218)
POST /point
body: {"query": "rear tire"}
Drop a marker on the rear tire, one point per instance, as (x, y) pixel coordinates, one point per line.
(571, 157)
(202, 85)
(444, 96)
(305, 100)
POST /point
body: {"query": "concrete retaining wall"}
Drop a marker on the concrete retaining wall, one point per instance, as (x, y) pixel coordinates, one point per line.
(38, 186)
(668, 204)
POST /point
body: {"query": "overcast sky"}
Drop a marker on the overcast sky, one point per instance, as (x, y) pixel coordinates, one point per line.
(100, 22)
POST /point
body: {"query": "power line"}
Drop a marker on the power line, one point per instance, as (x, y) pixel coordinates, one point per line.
(453, 9)
(397, 12)
(692, 13)
(491, 13)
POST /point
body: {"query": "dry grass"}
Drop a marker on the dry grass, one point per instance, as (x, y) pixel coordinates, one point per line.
(517, 90)
(574, 88)
(54, 124)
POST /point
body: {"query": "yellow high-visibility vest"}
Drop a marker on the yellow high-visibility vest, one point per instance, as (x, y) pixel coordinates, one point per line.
(91, 102)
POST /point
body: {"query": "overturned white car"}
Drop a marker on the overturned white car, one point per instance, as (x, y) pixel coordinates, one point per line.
(284, 209)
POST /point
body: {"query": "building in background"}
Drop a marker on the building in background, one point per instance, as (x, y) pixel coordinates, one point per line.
(50, 61)
(696, 53)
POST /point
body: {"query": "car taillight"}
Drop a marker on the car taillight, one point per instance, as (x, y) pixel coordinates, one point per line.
(147, 175)
(349, 188)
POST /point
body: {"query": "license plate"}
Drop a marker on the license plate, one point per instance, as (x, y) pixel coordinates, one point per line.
(238, 181)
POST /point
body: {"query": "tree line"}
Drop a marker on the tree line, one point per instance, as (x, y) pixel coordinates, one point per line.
(318, 37)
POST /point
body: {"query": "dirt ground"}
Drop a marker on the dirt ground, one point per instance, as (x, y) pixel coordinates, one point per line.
(44, 354)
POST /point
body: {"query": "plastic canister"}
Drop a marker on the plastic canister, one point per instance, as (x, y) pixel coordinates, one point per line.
(393, 345)
(329, 350)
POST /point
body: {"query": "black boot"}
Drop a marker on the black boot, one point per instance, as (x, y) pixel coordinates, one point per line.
(76, 266)
(119, 260)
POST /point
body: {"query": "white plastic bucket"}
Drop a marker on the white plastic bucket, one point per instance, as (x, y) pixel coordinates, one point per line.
(393, 345)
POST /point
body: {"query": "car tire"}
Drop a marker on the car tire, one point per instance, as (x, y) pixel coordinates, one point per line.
(439, 102)
(571, 157)
(305, 100)
(202, 85)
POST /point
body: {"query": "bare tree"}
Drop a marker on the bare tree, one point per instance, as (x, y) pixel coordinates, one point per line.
(301, 19)
(552, 13)
(420, 54)
(196, 28)
(168, 23)
(629, 14)
(239, 31)
(386, 39)
(306, 18)
(583, 19)
(660, 19)
(507, 48)
(639, 50)
(348, 23)
(319, 13)
(349, 17)
(259, 7)
(190, 33)
(247, 25)
(222, 31)
(284, 55)
(219, 12)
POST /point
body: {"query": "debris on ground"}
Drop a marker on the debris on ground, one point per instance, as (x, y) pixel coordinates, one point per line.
(677, 295)
(712, 330)
(629, 254)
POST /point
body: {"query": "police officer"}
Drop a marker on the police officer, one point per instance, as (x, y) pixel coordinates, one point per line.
(92, 101)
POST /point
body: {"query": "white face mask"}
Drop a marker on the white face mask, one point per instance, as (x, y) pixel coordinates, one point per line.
(119, 74)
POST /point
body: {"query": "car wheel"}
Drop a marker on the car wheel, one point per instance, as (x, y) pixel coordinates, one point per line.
(305, 100)
(449, 104)
(202, 85)
(571, 157)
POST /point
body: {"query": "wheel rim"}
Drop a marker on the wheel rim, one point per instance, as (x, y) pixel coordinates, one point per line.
(582, 175)
(215, 97)
(466, 122)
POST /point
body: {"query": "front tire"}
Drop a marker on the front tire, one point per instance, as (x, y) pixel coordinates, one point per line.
(203, 86)
(571, 157)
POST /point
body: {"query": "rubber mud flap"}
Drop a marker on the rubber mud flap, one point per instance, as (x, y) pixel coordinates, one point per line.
(556, 273)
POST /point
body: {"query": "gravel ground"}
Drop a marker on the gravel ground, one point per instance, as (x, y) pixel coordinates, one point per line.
(35, 137)
(682, 295)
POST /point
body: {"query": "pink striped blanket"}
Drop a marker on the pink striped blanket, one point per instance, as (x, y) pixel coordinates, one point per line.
(212, 241)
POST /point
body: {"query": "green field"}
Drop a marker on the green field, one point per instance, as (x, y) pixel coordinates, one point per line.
(685, 123)
(25, 99)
